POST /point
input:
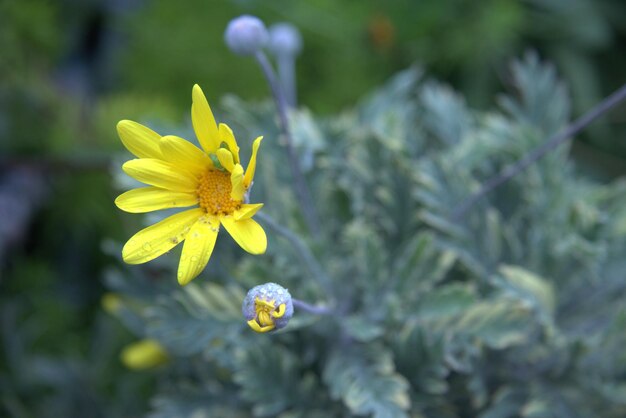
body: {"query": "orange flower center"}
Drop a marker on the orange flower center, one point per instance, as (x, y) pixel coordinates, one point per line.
(214, 193)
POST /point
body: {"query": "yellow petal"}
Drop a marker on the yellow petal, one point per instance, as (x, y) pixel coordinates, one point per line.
(264, 303)
(143, 142)
(282, 308)
(197, 249)
(258, 328)
(203, 121)
(151, 242)
(247, 211)
(247, 233)
(147, 199)
(236, 179)
(144, 354)
(265, 319)
(252, 164)
(227, 136)
(226, 159)
(185, 154)
(161, 174)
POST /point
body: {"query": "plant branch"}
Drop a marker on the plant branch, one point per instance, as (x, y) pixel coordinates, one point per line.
(511, 171)
(301, 249)
(312, 309)
(301, 188)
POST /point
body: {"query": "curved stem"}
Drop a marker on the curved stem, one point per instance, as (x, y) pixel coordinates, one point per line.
(511, 171)
(312, 309)
(301, 249)
(301, 188)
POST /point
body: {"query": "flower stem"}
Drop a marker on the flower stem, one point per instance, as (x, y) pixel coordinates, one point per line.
(301, 249)
(301, 188)
(287, 75)
(511, 171)
(307, 307)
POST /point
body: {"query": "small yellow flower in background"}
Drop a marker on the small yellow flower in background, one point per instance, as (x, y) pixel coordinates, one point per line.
(111, 302)
(144, 354)
(180, 175)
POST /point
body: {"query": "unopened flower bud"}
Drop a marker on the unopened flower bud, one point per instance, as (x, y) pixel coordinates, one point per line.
(285, 39)
(246, 35)
(267, 307)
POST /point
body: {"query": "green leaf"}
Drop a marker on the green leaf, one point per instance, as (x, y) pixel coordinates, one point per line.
(361, 328)
(196, 405)
(446, 302)
(530, 287)
(269, 377)
(506, 403)
(442, 224)
(366, 380)
(543, 100)
(499, 323)
(446, 114)
(537, 408)
(420, 266)
(190, 319)
(419, 355)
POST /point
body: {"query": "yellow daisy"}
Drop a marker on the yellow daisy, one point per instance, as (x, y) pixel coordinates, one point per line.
(144, 354)
(180, 175)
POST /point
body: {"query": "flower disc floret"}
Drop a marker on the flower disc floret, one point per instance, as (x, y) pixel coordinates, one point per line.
(214, 193)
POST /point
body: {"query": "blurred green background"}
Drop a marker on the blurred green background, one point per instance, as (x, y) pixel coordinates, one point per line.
(70, 69)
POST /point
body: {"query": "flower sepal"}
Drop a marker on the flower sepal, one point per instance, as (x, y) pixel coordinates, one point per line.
(216, 162)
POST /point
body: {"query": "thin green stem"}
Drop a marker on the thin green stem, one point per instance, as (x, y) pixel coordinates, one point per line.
(301, 250)
(511, 171)
(301, 188)
(312, 309)
(287, 76)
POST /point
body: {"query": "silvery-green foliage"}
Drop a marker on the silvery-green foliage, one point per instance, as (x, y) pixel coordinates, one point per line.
(517, 308)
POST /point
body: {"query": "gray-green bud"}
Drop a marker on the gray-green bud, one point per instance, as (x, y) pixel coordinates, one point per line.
(285, 39)
(267, 307)
(246, 35)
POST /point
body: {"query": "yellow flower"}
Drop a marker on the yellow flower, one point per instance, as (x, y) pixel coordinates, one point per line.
(180, 175)
(144, 354)
(111, 302)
